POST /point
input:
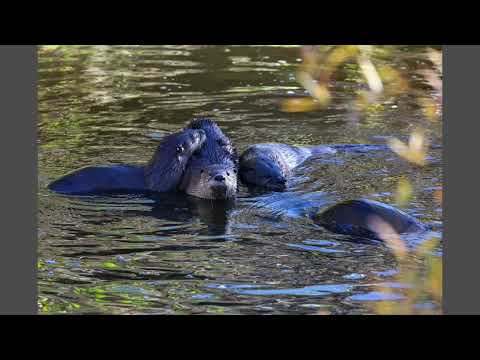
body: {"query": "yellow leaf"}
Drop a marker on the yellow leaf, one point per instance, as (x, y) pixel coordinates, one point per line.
(322, 94)
(300, 105)
(404, 192)
(414, 153)
(430, 108)
(395, 82)
(370, 72)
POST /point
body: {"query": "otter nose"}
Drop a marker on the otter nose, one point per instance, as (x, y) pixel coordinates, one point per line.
(281, 181)
(219, 178)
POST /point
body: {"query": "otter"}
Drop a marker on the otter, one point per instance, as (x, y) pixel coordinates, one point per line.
(269, 165)
(211, 172)
(162, 174)
(361, 218)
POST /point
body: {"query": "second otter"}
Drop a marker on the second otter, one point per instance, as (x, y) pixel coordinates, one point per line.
(212, 171)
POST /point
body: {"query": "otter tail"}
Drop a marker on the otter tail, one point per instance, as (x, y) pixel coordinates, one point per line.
(360, 148)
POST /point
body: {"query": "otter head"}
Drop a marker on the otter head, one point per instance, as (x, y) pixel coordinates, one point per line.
(184, 144)
(212, 171)
(262, 172)
(212, 181)
(165, 169)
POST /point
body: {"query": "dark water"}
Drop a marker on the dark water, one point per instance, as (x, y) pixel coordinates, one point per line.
(178, 255)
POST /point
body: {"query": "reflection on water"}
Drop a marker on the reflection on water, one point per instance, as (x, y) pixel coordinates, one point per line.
(173, 254)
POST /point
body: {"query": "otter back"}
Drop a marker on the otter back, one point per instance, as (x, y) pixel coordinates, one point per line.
(363, 217)
(100, 179)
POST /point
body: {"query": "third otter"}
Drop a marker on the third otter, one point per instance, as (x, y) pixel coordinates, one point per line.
(269, 165)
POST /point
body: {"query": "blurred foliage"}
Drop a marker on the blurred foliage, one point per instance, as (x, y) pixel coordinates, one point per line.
(372, 70)
(379, 75)
(421, 277)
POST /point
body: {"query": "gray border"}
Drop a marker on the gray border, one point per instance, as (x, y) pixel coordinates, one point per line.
(461, 129)
(18, 156)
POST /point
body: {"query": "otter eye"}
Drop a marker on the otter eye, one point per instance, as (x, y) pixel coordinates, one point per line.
(228, 174)
(180, 148)
(201, 171)
(235, 171)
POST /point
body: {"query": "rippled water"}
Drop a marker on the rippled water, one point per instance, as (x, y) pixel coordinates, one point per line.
(178, 255)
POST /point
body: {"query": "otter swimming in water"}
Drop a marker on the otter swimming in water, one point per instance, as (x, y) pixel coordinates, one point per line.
(212, 171)
(199, 160)
(163, 173)
(269, 165)
(363, 218)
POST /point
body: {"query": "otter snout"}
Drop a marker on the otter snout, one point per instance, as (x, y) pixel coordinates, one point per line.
(222, 182)
(219, 178)
(215, 181)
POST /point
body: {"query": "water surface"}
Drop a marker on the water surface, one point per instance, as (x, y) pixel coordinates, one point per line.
(172, 254)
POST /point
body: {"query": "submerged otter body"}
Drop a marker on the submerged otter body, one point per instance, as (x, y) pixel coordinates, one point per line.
(163, 173)
(367, 219)
(270, 165)
(211, 172)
